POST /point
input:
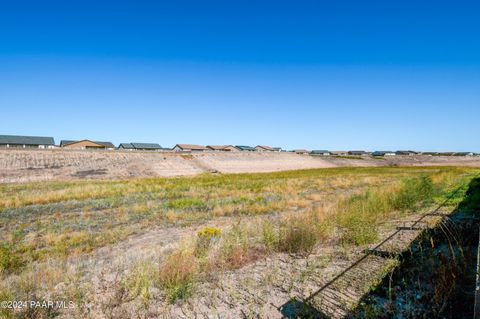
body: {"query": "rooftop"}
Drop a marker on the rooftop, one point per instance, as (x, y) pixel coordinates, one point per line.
(68, 142)
(26, 140)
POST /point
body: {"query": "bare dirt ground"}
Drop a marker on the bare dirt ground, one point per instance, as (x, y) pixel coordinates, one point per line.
(273, 287)
(19, 166)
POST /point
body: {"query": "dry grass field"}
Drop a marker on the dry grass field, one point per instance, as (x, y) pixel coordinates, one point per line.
(163, 247)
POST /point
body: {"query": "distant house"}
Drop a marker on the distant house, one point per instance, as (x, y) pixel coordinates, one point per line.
(189, 148)
(86, 144)
(357, 153)
(383, 153)
(339, 153)
(277, 149)
(15, 141)
(264, 148)
(409, 153)
(320, 152)
(126, 146)
(464, 154)
(245, 148)
(140, 146)
(446, 153)
(301, 151)
(223, 148)
(147, 146)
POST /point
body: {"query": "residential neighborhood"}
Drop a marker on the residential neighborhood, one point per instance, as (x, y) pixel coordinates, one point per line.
(43, 142)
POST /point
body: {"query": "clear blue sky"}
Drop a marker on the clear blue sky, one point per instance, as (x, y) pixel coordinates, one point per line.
(332, 75)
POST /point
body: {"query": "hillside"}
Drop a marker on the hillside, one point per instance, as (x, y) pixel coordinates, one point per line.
(42, 165)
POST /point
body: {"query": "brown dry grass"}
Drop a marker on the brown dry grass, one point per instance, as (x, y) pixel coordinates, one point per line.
(44, 224)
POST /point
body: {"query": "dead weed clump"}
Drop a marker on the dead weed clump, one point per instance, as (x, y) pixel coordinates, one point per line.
(178, 274)
(238, 248)
(299, 234)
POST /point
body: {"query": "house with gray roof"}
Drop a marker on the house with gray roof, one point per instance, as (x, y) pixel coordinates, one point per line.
(189, 148)
(245, 148)
(357, 153)
(383, 153)
(126, 146)
(140, 146)
(264, 148)
(17, 141)
(320, 152)
(409, 153)
(464, 154)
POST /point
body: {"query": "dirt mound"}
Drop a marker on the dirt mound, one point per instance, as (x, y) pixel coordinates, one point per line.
(41, 165)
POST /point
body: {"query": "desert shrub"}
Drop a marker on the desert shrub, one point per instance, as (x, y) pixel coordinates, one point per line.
(471, 201)
(411, 192)
(205, 238)
(178, 274)
(298, 235)
(140, 280)
(269, 236)
(359, 216)
(9, 260)
(359, 230)
(209, 232)
(5, 295)
(237, 248)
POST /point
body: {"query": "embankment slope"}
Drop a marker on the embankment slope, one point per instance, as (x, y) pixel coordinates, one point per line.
(18, 166)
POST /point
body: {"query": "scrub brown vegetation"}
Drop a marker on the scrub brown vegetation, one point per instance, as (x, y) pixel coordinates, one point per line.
(64, 240)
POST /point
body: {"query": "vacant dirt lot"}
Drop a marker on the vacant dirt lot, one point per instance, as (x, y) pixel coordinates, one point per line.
(227, 245)
(42, 165)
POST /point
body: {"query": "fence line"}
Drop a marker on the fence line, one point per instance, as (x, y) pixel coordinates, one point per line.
(400, 229)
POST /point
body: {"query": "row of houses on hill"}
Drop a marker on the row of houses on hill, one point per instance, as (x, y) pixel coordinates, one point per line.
(42, 142)
(224, 148)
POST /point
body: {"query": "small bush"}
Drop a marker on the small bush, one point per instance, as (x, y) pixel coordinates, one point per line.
(6, 295)
(178, 275)
(140, 280)
(205, 238)
(269, 236)
(359, 215)
(359, 230)
(413, 191)
(237, 248)
(209, 232)
(9, 261)
(298, 235)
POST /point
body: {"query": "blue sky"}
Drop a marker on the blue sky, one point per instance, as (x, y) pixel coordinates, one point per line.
(311, 74)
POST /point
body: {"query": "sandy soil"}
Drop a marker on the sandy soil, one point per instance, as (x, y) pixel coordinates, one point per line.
(262, 289)
(18, 166)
